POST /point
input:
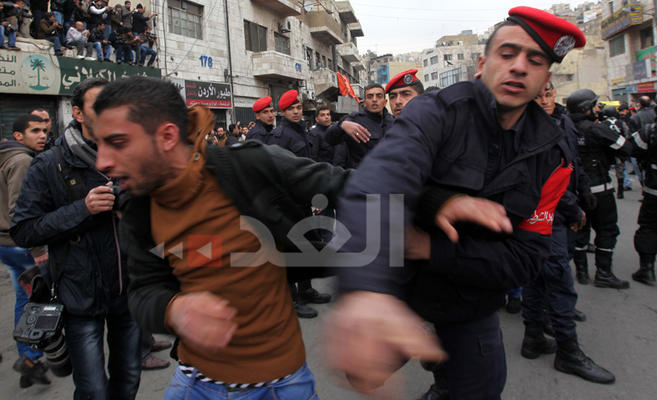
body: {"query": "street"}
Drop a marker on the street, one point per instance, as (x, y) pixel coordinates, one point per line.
(620, 334)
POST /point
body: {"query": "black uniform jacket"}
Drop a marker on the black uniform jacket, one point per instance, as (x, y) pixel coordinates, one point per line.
(293, 137)
(377, 124)
(442, 139)
(260, 132)
(335, 155)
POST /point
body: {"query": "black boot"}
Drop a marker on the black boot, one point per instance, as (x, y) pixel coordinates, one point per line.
(620, 189)
(572, 360)
(604, 278)
(646, 272)
(581, 267)
(579, 316)
(535, 343)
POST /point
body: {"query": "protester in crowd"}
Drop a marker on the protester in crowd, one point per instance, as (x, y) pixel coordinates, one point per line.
(238, 333)
(15, 158)
(116, 17)
(66, 204)
(8, 26)
(103, 47)
(147, 44)
(50, 132)
(140, 21)
(98, 12)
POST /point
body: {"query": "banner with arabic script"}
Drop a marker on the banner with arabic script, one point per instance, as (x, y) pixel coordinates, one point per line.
(208, 94)
(28, 73)
(74, 71)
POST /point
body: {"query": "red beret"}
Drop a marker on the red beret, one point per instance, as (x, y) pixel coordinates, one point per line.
(287, 99)
(555, 35)
(262, 103)
(402, 79)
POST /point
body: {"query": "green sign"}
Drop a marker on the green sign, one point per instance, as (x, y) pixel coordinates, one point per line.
(74, 71)
(36, 73)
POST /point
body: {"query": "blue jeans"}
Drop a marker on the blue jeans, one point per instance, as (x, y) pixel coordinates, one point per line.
(84, 337)
(17, 260)
(99, 50)
(298, 386)
(146, 51)
(57, 44)
(12, 37)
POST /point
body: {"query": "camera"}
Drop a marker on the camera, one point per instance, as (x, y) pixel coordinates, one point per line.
(41, 326)
(10, 28)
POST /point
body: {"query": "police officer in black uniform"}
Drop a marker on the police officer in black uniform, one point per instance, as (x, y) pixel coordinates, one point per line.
(484, 143)
(612, 118)
(645, 238)
(597, 146)
(364, 129)
(265, 118)
(290, 134)
(554, 285)
(335, 155)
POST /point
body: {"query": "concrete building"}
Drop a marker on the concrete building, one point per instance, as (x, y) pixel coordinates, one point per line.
(453, 59)
(628, 29)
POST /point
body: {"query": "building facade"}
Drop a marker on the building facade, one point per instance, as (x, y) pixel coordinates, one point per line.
(453, 59)
(628, 29)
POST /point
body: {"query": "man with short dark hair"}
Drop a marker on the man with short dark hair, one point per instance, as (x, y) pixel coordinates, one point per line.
(51, 133)
(644, 116)
(15, 158)
(479, 143)
(102, 46)
(290, 134)
(265, 118)
(364, 129)
(67, 204)
(140, 21)
(336, 155)
(49, 29)
(238, 332)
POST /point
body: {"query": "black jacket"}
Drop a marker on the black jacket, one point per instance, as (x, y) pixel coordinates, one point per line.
(375, 123)
(598, 144)
(265, 182)
(139, 22)
(293, 137)
(443, 139)
(645, 141)
(335, 155)
(82, 247)
(568, 211)
(260, 132)
(643, 117)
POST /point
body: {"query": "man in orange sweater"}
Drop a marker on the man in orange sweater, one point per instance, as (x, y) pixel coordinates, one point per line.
(237, 329)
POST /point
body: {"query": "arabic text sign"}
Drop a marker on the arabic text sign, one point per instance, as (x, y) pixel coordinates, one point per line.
(74, 71)
(208, 94)
(28, 73)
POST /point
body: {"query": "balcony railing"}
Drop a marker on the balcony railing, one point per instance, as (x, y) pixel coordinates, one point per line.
(286, 8)
(325, 81)
(346, 12)
(324, 28)
(275, 65)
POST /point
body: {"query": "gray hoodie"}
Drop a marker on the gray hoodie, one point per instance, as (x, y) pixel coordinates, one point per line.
(15, 159)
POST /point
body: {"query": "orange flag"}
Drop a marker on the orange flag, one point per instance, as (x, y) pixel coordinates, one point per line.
(345, 87)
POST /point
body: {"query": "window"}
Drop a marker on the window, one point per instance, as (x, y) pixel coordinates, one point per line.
(460, 56)
(434, 76)
(646, 38)
(282, 43)
(426, 77)
(450, 77)
(185, 18)
(425, 63)
(617, 46)
(434, 60)
(255, 36)
(447, 57)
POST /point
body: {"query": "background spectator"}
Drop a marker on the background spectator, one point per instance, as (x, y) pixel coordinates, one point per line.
(102, 46)
(147, 43)
(48, 30)
(7, 28)
(78, 37)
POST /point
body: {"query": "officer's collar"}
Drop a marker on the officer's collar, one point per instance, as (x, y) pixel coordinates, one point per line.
(294, 125)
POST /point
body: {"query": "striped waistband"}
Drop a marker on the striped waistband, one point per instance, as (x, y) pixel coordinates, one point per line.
(188, 371)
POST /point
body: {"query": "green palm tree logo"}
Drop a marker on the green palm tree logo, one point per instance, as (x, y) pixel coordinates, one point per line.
(38, 65)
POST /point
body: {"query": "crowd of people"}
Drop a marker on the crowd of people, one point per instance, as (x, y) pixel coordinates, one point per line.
(501, 187)
(94, 28)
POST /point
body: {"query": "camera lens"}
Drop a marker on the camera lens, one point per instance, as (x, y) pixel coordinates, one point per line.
(57, 357)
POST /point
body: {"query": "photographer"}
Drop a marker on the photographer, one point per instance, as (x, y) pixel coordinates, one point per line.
(13, 16)
(78, 37)
(146, 48)
(7, 27)
(49, 29)
(102, 46)
(98, 12)
(67, 204)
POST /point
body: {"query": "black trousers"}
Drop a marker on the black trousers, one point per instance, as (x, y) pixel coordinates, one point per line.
(555, 286)
(476, 368)
(603, 220)
(645, 238)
